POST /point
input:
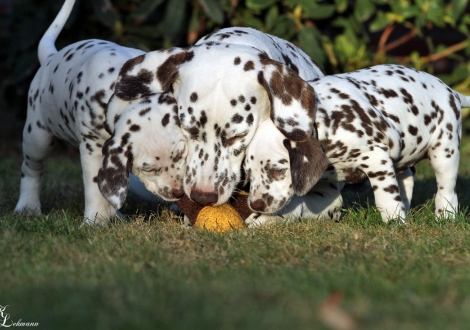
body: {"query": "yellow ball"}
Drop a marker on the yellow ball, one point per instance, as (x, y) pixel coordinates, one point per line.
(219, 218)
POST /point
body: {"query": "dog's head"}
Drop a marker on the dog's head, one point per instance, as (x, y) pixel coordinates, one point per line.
(223, 91)
(278, 168)
(147, 141)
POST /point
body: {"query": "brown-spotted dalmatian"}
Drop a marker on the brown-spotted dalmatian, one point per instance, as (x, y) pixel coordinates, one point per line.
(374, 123)
(268, 168)
(68, 100)
(225, 85)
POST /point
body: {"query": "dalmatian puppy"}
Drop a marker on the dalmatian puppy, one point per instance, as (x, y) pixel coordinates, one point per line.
(68, 100)
(374, 123)
(268, 168)
(225, 85)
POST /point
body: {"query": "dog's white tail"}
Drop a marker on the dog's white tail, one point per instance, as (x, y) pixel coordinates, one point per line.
(47, 44)
(464, 100)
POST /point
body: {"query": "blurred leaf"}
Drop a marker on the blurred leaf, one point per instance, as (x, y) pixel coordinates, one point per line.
(145, 9)
(259, 4)
(174, 18)
(311, 45)
(436, 12)
(106, 12)
(457, 8)
(364, 9)
(329, 52)
(315, 11)
(283, 28)
(194, 21)
(410, 11)
(464, 25)
(247, 19)
(381, 2)
(416, 60)
(213, 9)
(271, 17)
(341, 5)
(345, 47)
(458, 75)
(380, 22)
(349, 24)
(420, 22)
(193, 28)
(398, 5)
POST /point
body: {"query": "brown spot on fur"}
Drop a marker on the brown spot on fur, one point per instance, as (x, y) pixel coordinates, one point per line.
(167, 72)
(165, 119)
(249, 66)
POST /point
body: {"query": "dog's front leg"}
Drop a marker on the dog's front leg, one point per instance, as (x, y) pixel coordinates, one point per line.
(259, 219)
(406, 183)
(97, 208)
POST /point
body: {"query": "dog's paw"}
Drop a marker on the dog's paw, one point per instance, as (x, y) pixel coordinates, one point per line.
(28, 210)
(258, 220)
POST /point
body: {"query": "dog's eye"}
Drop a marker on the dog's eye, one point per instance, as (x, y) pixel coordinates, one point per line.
(276, 173)
(152, 171)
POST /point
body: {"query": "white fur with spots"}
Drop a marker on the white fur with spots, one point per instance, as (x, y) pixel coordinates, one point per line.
(68, 100)
(374, 123)
(225, 85)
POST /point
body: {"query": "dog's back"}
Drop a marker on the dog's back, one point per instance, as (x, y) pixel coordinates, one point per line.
(276, 49)
(69, 93)
(405, 110)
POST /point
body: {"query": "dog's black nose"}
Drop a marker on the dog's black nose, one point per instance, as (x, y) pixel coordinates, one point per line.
(258, 205)
(204, 197)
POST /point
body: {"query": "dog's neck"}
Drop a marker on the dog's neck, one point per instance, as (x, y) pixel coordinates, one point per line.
(114, 109)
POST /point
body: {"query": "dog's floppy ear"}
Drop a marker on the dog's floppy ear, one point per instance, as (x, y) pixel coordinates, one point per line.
(307, 164)
(113, 175)
(150, 73)
(292, 99)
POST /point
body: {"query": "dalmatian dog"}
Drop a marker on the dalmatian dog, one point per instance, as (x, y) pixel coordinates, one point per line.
(374, 123)
(225, 85)
(68, 99)
(269, 168)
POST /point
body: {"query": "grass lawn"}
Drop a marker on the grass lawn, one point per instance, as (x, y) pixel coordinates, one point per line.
(150, 273)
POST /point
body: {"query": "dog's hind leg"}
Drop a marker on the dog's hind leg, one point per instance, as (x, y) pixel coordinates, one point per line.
(37, 143)
(444, 159)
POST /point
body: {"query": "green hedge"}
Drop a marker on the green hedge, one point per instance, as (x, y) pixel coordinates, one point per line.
(341, 35)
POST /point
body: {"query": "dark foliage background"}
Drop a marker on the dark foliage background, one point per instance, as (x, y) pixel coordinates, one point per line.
(341, 35)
